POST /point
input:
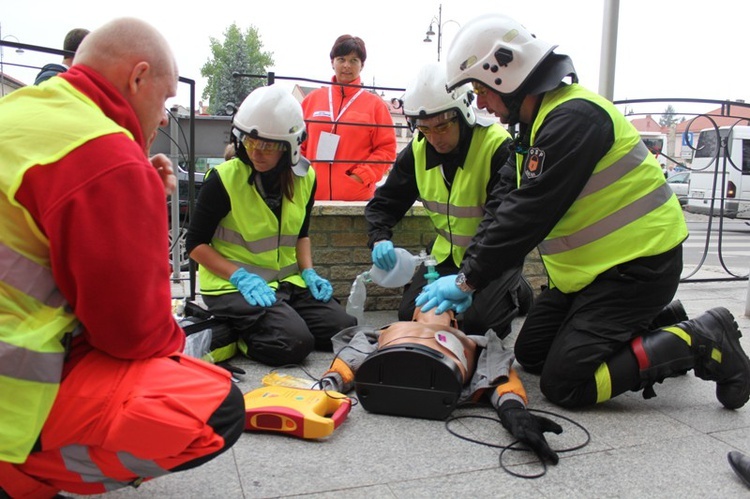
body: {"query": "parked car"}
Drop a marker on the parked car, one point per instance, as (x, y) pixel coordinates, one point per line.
(680, 184)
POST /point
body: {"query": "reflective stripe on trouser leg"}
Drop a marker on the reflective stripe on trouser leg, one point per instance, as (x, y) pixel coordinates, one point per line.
(603, 383)
(78, 460)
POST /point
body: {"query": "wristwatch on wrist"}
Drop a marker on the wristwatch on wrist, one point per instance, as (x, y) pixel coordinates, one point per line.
(462, 284)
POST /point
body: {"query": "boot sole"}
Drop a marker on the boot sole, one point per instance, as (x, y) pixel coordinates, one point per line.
(732, 349)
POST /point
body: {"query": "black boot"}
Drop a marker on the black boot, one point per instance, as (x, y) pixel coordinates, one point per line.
(740, 463)
(661, 354)
(715, 343)
(669, 316)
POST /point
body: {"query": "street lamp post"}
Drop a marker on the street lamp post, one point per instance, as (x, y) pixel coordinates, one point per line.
(2, 66)
(439, 21)
(430, 33)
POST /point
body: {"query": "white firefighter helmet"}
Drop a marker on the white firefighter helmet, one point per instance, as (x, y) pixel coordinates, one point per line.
(426, 96)
(496, 51)
(272, 113)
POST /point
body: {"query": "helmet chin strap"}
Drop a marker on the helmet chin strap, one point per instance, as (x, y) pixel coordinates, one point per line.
(239, 149)
(513, 104)
(548, 76)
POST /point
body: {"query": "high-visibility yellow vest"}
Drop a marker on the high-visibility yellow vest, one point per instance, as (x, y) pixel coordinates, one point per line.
(251, 236)
(37, 127)
(625, 211)
(456, 212)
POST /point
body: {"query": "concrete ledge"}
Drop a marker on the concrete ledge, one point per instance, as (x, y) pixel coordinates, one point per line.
(354, 208)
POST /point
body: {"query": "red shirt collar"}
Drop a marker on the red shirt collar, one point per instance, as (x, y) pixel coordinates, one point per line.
(106, 97)
(349, 90)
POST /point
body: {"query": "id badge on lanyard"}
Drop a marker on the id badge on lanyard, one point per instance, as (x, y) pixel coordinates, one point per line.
(328, 143)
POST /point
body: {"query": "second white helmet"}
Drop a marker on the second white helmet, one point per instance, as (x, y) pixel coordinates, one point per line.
(426, 96)
(272, 113)
(496, 51)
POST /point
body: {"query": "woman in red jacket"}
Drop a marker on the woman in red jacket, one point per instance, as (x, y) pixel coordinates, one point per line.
(351, 140)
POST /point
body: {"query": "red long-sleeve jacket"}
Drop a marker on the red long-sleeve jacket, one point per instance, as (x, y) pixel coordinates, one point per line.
(367, 144)
(103, 209)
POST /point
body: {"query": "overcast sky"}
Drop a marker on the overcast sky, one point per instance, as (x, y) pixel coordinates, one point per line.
(666, 48)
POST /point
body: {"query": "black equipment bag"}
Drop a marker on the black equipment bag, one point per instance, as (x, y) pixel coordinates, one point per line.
(208, 337)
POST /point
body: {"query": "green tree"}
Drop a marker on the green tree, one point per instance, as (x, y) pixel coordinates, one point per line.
(241, 53)
(669, 117)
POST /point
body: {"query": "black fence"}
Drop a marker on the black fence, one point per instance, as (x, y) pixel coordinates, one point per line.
(703, 146)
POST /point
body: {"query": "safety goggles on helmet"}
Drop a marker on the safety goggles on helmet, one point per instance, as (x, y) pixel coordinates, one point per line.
(274, 116)
(478, 88)
(426, 97)
(440, 129)
(264, 147)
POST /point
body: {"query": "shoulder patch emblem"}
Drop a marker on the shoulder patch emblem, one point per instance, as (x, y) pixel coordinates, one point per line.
(534, 162)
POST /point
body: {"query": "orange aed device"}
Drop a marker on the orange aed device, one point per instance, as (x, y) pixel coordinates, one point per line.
(298, 412)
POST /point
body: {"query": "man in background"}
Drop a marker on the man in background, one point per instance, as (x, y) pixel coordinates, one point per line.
(72, 40)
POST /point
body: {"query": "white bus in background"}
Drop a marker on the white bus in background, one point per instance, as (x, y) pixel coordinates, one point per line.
(720, 173)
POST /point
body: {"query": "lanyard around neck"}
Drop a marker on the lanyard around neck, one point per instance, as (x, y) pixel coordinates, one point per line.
(343, 109)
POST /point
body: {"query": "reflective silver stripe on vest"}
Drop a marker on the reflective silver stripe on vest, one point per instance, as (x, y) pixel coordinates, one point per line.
(608, 224)
(29, 277)
(259, 246)
(462, 241)
(268, 274)
(616, 170)
(453, 210)
(28, 365)
(77, 460)
(140, 467)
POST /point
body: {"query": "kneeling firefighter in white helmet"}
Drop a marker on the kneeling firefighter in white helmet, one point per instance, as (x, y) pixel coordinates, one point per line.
(451, 165)
(609, 230)
(249, 233)
(425, 367)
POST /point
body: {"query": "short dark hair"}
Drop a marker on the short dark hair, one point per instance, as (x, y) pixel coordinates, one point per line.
(74, 38)
(346, 44)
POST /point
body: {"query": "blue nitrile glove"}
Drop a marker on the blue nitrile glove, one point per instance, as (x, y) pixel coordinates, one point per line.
(383, 255)
(444, 294)
(253, 288)
(320, 288)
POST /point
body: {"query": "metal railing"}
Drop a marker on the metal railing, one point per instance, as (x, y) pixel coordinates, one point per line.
(704, 134)
(725, 114)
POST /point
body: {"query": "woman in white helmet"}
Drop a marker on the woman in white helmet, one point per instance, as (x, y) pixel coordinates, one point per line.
(249, 233)
(593, 200)
(451, 164)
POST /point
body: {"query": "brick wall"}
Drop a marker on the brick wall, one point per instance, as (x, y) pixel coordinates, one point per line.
(338, 233)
